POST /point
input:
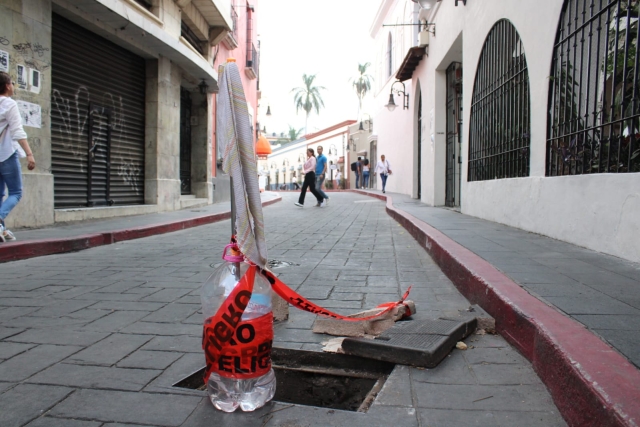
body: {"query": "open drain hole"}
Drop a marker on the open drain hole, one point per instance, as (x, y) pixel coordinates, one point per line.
(327, 380)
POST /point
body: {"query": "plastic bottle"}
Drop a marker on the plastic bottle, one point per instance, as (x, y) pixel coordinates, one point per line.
(226, 391)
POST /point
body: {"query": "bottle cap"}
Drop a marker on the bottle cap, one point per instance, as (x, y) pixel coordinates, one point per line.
(231, 60)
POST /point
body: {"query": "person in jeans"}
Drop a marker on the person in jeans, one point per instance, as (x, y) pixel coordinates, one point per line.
(365, 173)
(13, 144)
(309, 180)
(358, 172)
(384, 169)
(321, 173)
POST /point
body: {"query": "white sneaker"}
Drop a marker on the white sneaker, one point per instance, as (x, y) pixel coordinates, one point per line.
(8, 236)
(326, 201)
(323, 204)
(298, 204)
(2, 238)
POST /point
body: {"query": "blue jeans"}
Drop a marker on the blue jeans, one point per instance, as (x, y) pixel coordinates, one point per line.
(319, 181)
(357, 180)
(384, 180)
(11, 176)
(365, 179)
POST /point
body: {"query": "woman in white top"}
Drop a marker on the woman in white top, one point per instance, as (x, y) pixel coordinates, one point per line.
(384, 169)
(13, 144)
(365, 174)
(310, 180)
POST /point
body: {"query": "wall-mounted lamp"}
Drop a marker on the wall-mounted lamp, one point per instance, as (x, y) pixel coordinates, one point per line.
(203, 86)
(268, 110)
(351, 143)
(425, 4)
(392, 105)
(285, 162)
(369, 122)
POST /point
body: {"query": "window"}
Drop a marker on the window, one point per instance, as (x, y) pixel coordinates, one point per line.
(389, 56)
(191, 37)
(594, 103)
(499, 130)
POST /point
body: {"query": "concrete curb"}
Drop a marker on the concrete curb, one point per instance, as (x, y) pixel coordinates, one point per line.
(590, 382)
(34, 248)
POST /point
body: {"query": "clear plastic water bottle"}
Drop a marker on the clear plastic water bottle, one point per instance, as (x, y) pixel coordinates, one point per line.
(232, 382)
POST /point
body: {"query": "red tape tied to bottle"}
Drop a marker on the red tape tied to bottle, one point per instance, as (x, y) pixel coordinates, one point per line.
(234, 348)
(242, 349)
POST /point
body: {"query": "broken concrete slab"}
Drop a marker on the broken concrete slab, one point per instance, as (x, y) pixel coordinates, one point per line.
(483, 319)
(279, 307)
(373, 327)
(422, 343)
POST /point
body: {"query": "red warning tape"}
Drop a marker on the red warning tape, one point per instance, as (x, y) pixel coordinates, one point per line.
(242, 349)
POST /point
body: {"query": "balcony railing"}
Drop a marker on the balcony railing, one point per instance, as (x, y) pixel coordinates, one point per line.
(234, 21)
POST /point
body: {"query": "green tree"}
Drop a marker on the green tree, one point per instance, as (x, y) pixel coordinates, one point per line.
(362, 84)
(308, 97)
(293, 133)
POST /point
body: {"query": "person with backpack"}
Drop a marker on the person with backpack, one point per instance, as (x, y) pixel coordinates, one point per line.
(365, 173)
(384, 169)
(357, 168)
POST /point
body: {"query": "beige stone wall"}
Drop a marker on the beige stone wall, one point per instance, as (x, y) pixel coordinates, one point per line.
(25, 34)
(162, 149)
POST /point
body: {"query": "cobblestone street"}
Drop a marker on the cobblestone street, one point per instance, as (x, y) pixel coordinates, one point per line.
(98, 337)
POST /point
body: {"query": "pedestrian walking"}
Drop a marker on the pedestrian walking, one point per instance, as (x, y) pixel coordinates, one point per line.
(321, 173)
(365, 173)
(358, 171)
(384, 169)
(310, 180)
(337, 180)
(13, 144)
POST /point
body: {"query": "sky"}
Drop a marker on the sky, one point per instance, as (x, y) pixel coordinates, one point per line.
(327, 38)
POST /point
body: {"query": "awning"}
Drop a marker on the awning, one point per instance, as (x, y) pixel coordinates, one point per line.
(410, 62)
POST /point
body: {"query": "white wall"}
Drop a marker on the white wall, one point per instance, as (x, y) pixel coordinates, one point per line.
(597, 211)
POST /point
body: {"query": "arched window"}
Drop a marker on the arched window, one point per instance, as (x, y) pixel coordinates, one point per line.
(389, 56)
(594, 90)
(500, 121)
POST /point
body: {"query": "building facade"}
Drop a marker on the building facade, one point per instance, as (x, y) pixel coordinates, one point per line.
(116, 100)
(524, 113)
(285, 163)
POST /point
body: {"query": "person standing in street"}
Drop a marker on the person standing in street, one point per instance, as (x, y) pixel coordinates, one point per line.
(309, 169)
(321, 174)
(384, 169)
(358, 172)
(365, 173)
(13, 144)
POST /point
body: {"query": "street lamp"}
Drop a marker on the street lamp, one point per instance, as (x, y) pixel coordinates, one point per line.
(392, 105)
(425, 4)
(368, 122)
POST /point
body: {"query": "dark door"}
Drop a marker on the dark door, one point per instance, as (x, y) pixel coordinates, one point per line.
(185, 141)
(97, 119)
(420, 146)
(454, 141)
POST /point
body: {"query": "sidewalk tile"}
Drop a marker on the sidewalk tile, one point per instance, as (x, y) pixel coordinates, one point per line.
(142, 408)
(26, 402)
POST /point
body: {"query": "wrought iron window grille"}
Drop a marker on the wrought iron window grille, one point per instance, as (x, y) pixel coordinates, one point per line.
(594, 99)
(499, 132)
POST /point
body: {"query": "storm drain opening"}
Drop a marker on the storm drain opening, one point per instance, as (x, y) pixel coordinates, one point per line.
(327, 380)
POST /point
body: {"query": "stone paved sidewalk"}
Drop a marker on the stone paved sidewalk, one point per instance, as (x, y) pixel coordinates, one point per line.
(600, 291)
(98, 337)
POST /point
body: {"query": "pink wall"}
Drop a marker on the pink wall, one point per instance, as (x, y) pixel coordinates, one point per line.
(240, 54)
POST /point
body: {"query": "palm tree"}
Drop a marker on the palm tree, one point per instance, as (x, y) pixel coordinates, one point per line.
(293, 133)
(308, 97)
(362, 83)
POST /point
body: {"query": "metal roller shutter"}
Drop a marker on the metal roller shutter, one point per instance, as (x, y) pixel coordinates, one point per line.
(97, 119)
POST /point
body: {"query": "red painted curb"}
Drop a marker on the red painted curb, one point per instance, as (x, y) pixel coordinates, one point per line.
(590, 382)
(34, 248)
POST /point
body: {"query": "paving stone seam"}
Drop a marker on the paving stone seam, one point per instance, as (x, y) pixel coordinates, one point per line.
(570, 360)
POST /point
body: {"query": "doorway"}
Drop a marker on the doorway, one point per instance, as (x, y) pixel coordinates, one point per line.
(419, 167)
(454, 137)
(185, 141)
